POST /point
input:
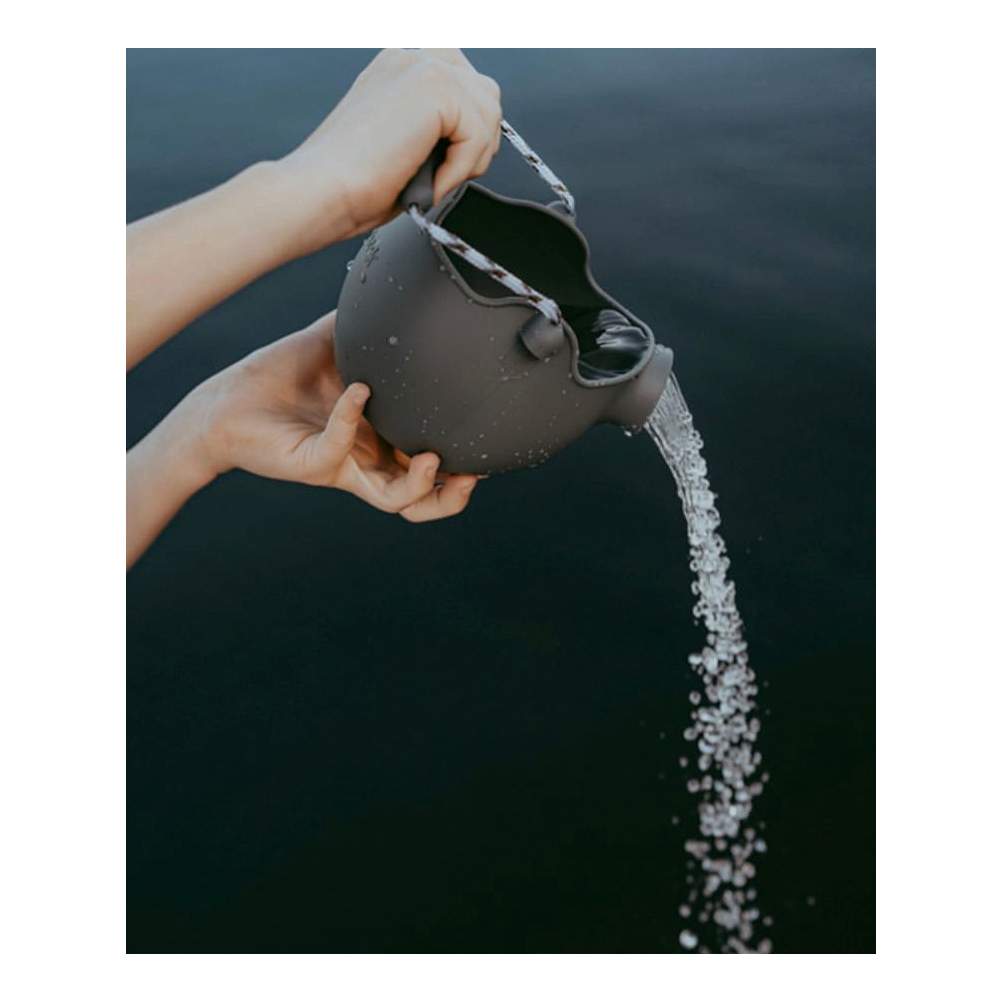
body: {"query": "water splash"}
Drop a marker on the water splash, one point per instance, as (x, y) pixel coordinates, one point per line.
(722, 895)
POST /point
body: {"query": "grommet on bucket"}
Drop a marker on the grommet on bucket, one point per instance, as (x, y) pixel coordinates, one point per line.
(541, 336)
(456, 316)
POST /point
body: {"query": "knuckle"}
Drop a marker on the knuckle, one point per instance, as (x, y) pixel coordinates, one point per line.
(432, 72)
(397, 57)
(491, 85)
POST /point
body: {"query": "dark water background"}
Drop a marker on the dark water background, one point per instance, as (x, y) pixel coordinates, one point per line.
(352, 734)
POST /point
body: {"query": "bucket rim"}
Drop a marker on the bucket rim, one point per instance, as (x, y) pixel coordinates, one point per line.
(440, 213)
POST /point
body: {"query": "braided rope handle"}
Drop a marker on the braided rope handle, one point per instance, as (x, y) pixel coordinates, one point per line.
(546, 306)
(535, 162)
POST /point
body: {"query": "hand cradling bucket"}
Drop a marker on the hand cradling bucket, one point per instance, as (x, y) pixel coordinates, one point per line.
(482, 333)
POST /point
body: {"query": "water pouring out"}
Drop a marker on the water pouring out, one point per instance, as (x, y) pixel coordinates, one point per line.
(724, 725)
(512, 352)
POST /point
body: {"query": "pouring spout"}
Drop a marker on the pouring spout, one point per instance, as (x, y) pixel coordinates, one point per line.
(633, 405)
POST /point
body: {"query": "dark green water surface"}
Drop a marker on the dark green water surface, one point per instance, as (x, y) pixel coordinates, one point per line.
(352, 734)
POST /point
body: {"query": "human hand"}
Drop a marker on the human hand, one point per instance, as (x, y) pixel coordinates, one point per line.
(285, 413)
(347, 176)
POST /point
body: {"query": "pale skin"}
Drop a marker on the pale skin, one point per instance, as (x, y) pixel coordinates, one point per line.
(283, 411)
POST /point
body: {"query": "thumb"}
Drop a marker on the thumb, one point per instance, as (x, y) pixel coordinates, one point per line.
(341, 429)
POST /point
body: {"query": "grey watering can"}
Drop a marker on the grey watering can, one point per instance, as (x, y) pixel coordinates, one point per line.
(483, 334)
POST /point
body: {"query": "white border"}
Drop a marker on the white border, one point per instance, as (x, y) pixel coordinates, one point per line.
(64, 648)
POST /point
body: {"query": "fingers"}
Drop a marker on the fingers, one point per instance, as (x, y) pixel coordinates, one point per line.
(418, 481)
(483, 163)
(341, 429)
(324, 326)
(470, 119)
(450, 499)
(413, 494)
(453, 56)
(456, 57)
(392, 491)
(461, 163)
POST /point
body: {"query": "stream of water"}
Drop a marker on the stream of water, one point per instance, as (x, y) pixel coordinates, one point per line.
(721, 907)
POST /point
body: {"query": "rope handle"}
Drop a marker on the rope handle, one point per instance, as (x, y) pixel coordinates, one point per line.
(546, 306)
(535, 162)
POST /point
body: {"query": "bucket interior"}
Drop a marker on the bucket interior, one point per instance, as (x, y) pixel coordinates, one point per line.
(548, 255)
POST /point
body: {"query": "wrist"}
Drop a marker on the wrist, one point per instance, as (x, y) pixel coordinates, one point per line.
(179, 444)
(162, 472)
(296, 221)
(313, 220)
(268, 201)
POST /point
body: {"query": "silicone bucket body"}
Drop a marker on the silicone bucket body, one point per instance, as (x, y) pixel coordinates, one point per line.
(459, 365)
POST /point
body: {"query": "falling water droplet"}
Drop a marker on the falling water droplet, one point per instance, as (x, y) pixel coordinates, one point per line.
(725, 724)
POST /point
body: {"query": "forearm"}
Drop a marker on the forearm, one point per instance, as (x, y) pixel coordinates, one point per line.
(186, 259)
(162, 472)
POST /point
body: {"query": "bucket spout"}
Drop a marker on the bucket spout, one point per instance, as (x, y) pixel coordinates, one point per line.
(634, 403)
